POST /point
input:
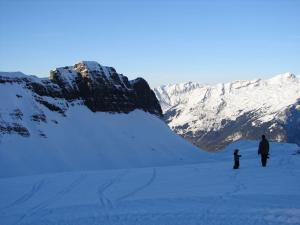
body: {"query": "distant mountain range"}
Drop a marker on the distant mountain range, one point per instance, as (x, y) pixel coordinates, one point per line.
(212, 116)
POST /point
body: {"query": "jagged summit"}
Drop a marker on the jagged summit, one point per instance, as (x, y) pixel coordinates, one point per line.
(88, 69)
(88, 65)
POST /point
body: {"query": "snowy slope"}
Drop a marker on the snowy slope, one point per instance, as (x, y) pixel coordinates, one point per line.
(42, 133)
(89, 141)
(200, 194)
(83, 140)
(212, 116)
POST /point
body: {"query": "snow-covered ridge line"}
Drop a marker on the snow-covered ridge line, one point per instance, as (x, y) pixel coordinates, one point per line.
(198, 111)
(189, 86)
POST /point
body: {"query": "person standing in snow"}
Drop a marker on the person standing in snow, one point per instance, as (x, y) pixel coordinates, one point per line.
(263, 150)
(236, 157)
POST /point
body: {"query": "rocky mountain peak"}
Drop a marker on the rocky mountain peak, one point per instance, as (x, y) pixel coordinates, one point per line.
(85, 66)
(92, 69)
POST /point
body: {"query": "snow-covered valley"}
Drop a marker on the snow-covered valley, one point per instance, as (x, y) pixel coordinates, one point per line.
(210, 192)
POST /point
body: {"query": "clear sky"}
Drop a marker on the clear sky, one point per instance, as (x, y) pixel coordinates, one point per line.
(162, 41)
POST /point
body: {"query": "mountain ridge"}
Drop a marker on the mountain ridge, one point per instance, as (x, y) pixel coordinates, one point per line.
(209, 115)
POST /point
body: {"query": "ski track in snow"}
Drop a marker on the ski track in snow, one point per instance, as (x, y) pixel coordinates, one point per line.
(39, 207)
(210, 209)
(108, 205)
(138, 189)
(28, 195)
(105, 202)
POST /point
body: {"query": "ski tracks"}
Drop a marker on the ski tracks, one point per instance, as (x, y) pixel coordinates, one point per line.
(107, 204)
(210, 211)
(60, 193)
(39, 207)
(138, 189)
(27, 196)
(238, 187)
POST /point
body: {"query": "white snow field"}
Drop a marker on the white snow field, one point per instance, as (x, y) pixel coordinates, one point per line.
(97, 141)
(207, 193)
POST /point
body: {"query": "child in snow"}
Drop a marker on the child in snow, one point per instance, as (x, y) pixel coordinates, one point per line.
(236, 159)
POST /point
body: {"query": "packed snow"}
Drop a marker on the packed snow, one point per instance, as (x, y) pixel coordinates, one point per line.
(207, 193)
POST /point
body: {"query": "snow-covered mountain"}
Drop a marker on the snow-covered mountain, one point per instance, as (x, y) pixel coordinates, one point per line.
(84, 117)
(211, 116)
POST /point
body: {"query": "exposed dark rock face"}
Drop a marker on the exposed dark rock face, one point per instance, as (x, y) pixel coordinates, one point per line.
(10, 128)
(16, 114)
(145, 97)
(39, 118)
(292, 125)
(104, 90)
(50, 106)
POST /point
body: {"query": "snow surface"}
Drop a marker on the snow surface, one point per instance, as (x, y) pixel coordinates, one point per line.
(203, 107)
(208, 193)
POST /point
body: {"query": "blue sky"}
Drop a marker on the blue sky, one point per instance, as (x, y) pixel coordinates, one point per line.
(162, 41)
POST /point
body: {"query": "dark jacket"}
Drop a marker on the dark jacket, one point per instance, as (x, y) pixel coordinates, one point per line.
(236, 156)
(263, 148)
